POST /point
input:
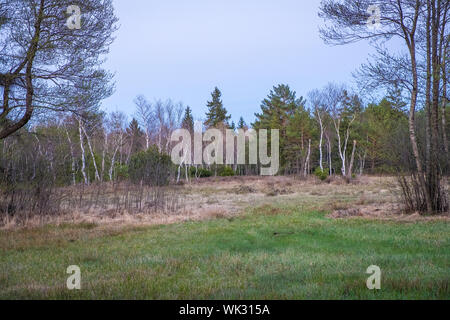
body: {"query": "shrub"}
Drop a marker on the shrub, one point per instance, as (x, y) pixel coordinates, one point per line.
(321, 174)
(201, 173)
(151, 168)
(226, 172)
(121, 172)
(204, 173)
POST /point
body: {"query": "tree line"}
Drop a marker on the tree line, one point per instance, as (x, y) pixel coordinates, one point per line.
(332, 131)
(52, 83)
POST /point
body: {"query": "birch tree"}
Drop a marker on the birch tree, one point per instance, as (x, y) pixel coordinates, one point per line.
(316, 100)
(407, 20)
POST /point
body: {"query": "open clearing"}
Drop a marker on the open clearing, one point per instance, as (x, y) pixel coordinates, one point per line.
(263, 238)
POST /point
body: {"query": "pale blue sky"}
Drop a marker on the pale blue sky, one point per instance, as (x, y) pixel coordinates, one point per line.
(183, 49)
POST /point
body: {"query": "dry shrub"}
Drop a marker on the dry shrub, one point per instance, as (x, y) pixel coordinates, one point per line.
(273, 191)
(269, 210)
(413, 196)
(215, 213)
(316, 193)
(244, 189)
(352, 212)
(338, 205)
(105, 199)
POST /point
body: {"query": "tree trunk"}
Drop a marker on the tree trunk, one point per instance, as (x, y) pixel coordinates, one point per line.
(97, 176)
(83, 155)
(113, 162)
(105, 147)
(434, 179)
(321, 140)
(74, 181)
(352, 160)
(444, 106)
(329, 155)
(412, 124)
(307, 159)
(30, 56)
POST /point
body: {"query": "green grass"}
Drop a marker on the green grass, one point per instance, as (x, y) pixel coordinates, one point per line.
(270, 253)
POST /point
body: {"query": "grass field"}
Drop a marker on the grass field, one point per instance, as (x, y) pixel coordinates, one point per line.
(278, 251)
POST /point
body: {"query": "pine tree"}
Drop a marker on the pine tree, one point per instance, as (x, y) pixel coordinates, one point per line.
(188, 120)
(395, 98)
(241, 123)
(217, 114)
(233, 125)
(276, 111)
(135, 135)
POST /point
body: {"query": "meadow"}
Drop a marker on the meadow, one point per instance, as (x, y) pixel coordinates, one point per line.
(258, 238)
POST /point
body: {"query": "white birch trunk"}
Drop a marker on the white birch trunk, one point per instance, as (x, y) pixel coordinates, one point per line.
(83, 154)
(350, 168)
(74, 181)
(97, 176)
(307, 159)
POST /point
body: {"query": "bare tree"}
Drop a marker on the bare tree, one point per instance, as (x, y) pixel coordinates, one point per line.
(316, 99)
(146, 117)
(352, 160)
(72, 154)
(117, 122)
(91, 150)
(351, 21)
(342, 119)
(83, 152)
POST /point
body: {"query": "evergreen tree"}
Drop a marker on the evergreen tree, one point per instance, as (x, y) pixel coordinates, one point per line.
(188, 120)
(135, 135)
(241, 123)
(276, 111)
(217, 114)
(299, 132)
(380, 123)
(395, 98)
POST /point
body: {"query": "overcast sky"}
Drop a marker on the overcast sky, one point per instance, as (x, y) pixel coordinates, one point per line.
(182, 49)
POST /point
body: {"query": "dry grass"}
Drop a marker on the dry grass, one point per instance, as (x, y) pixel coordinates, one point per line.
(225, 197)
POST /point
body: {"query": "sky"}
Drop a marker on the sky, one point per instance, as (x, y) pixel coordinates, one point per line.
(181, 50)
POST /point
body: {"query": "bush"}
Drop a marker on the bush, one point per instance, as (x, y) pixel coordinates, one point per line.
(151, 168)
(226, 172)
(321, 174)
(201, 173)
(204, 173)
(121, 172)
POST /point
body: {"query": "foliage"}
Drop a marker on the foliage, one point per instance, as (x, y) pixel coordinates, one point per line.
(199, 172)
(276, 112)
(321, 174)
(45, 67)
(188, 120)
(135, 134)
(121, 172)
(151, 168)
(217, 115)
(226, 171)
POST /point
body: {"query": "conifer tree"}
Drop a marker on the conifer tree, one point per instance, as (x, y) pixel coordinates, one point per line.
(188, 120)
(241, 123)
(135, 135)
(276, 111)
(217, 114)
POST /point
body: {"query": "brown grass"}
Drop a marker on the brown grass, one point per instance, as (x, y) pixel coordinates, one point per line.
(225, 197)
